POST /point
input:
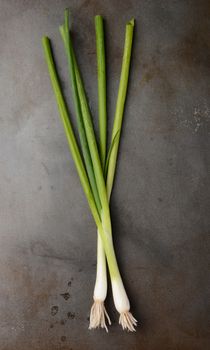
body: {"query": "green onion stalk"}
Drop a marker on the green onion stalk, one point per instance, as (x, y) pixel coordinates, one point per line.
(89, 166)
(98, 313)
(110, 166)
(119, 294)
(98, 306)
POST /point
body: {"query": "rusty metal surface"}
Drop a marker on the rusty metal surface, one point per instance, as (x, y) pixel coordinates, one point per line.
(161, 200)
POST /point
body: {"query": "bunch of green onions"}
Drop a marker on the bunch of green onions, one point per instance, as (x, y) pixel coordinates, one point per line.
(95, 166)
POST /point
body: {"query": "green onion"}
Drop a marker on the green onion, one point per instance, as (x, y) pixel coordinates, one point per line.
(91, 170)
(126, 318)
(105, 236)
(100, 289)
(121, 300)
(98, 313)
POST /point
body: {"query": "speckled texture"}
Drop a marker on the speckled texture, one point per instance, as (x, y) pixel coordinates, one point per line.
(161, 200)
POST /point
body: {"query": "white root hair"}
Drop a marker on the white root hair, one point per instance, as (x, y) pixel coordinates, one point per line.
(127, 321)
(98, 316)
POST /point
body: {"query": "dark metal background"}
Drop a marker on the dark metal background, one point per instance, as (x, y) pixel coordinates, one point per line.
(161, 201)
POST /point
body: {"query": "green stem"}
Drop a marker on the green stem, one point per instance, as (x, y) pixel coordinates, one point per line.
(120, 104)
(106, 238)
(65, 34)
(101, 68)
(68, 128)
(102, 113)
(93, 150)
(111, 162)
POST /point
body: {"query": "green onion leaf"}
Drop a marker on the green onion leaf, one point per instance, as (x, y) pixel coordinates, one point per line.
(120, 103)
(101, 68)
(65, 34)
(64, 114)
